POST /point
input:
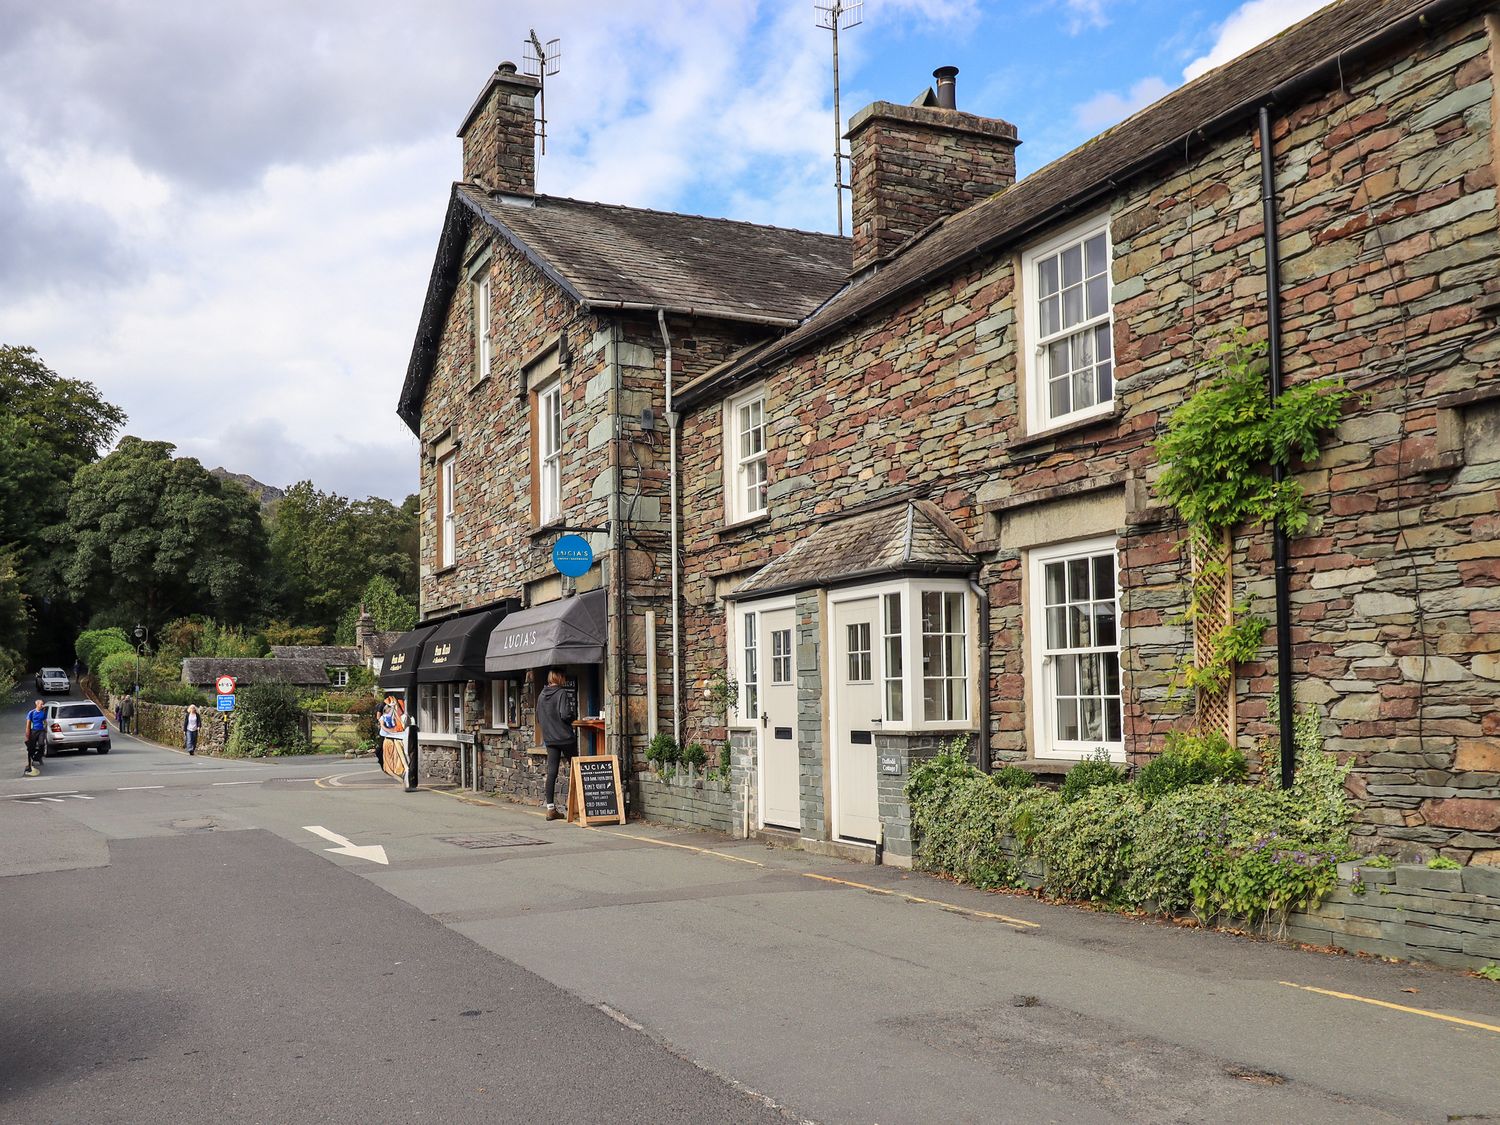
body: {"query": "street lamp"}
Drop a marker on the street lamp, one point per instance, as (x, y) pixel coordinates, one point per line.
(140, 648)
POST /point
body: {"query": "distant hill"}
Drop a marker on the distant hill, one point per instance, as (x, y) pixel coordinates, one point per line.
(267, 494)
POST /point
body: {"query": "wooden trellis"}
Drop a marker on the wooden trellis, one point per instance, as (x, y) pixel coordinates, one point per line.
(1213, 581)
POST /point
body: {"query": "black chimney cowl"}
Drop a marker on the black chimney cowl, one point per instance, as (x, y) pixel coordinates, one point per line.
(947, 92)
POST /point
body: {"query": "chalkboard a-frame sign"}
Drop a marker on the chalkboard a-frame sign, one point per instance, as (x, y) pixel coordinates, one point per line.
(596, 796)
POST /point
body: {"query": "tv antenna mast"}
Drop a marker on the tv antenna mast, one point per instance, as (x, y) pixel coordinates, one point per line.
(835, 17)
(542, 59)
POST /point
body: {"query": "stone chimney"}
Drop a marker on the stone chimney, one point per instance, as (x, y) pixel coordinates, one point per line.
(914, 164)
(364, 633)
(499, 133)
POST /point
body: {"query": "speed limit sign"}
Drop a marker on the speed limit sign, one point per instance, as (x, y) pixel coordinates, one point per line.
(225, 684)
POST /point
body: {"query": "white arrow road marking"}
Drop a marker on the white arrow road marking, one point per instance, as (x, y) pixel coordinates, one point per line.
(127, 788)
(373, 852)
(54, 800)
(79, 797)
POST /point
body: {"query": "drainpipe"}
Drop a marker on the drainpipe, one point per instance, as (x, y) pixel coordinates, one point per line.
(983, 599)
(1282, 563)
(672, 420)
(617, 566)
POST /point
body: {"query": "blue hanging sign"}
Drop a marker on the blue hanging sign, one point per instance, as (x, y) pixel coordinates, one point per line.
(573, 556)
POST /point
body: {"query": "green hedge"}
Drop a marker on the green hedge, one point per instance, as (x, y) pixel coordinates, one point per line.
(93, 645)
(1217, 849)
(117, 672)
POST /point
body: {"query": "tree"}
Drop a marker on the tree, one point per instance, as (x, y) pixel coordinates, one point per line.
(325, 548)
(155, 536)
(50, 427)
(390, 611)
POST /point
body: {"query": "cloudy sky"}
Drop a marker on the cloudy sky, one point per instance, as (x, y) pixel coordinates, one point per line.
(224, 214)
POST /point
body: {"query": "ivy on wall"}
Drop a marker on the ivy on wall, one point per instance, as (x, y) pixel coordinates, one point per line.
(1219, 454)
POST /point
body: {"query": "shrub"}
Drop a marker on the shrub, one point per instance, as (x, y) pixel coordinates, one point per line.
(1013, 777)
(1086, 844)
(117, 672)
(268, 720)
(1093, 771)
(93, 645)
(1191, 758)
(178, 694)
(662, 751)
(694, 754)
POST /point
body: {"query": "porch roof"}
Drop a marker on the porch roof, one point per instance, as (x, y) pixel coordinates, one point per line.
(910, 538)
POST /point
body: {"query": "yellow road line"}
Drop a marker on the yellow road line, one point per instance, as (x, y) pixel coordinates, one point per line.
(684, 847)
(1018, 923)
(1393, 1007)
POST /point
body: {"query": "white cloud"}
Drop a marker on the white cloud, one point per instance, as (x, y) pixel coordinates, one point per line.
(1109, 107)
(1086, 14)
(1249, 25)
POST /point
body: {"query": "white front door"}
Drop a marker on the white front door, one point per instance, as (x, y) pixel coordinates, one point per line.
(856, 677)
(780, 764)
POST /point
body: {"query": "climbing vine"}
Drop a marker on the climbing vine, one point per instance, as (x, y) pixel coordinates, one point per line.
(1219, 454)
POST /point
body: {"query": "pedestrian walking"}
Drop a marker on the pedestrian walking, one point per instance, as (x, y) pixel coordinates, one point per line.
(127, 715)
(36, 736)
(119, 726)
(555, 712)
(190, 729)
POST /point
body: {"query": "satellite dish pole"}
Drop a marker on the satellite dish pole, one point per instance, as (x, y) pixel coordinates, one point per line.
(542, 59)
(833, 17)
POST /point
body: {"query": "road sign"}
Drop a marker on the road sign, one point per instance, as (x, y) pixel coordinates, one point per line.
(573, 556)
(225, 684)
(226, 703)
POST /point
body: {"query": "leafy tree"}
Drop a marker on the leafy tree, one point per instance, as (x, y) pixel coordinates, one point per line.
(50, 426)
(390, 610)
(285, 633)
(325, 548)
(93, 645)
(153, 535)
(14, 618)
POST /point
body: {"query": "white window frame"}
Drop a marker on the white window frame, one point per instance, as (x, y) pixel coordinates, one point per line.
(338, 677)
(448, 533)
(944, 672)
(1038, 395)
(436, 704)
(910, 590)
(749, 665)
(1045, 744)
(502, 694)
(741, 467)
(484, 344)
(549, 442)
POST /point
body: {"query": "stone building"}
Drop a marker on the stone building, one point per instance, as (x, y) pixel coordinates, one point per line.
(921, 505)
(538, 386)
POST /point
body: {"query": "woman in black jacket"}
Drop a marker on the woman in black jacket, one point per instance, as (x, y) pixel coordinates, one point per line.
(555, 712)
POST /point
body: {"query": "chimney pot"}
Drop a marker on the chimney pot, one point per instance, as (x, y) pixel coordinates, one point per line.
(947, 87)
(507, 67)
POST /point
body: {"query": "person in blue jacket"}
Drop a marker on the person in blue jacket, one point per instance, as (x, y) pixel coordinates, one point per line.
(36, 737)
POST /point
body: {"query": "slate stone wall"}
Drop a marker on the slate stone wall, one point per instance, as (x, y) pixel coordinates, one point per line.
(1388, 221)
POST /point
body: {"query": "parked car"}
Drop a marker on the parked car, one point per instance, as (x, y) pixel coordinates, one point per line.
(76, 726)
(53, 679)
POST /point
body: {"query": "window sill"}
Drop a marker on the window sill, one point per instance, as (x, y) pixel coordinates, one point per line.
(1028, 442)
(450, 740)
(738, 526)
(547, 529)
(449, 569)
(477, 383)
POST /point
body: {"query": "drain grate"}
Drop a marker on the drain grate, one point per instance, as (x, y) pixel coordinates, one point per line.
(491, 840)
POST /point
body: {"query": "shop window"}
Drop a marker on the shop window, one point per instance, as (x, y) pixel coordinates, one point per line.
(1068, 319)
(745, 475)
(440, 708)
(505, 704)
(1074, 628)
(945, 650)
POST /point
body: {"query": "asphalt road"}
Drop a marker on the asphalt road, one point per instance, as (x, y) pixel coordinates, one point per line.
(180, 947)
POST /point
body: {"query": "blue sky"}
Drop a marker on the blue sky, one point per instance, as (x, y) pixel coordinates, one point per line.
(224, 215)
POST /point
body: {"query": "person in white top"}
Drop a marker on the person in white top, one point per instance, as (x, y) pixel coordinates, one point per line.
(190, 728)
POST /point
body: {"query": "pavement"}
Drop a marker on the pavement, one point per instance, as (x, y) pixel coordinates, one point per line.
(180, 946)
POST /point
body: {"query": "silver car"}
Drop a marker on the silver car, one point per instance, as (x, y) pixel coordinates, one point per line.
(73, 725)
(53, 679)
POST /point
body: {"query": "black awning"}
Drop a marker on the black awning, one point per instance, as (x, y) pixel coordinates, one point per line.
(399, 671)
(456, 648)
(569, 631)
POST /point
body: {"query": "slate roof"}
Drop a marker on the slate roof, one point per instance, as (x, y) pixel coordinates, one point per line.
(380, 643)
(915, 537)
(608, 257)
(1227, 97)
(333, 656)
(203, 670)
